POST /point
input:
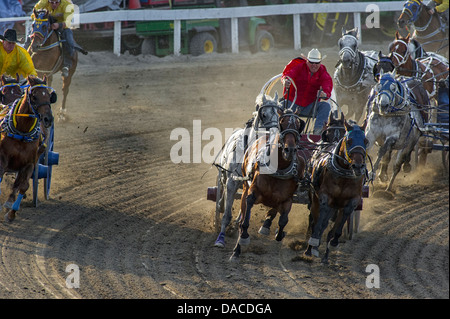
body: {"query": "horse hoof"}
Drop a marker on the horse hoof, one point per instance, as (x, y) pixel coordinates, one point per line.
(315, 252)
(234, 259)
(383, 194)
(324, 261)
(264, 231)
(220, 241)
(407, 167)
(280, 236)
(244, 241)
(10, 216)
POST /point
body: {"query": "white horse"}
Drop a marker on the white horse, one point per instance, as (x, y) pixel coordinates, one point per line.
(231, 159)
(353, 77)
(394, 122)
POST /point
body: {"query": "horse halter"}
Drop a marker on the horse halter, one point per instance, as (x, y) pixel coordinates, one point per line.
(12, 86)
(412, 8)
(357, 145)
(295, 126)
(347, 48)
(394, 90)
(401, 59)
(34, 106)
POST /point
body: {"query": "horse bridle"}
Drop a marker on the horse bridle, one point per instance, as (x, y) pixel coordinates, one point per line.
(410, 8)
(289, 130)
(34, 106)
(348, 49)
(392, 95)
(12, 84)
(360, 147)
(401, 59)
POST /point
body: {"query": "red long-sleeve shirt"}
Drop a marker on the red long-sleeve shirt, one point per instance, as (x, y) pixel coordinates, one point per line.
(307, 84)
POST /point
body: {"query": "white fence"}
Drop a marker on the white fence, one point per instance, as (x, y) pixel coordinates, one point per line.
(177, 15)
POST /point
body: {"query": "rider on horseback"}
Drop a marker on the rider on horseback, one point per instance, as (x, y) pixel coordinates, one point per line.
(309, 76)
(13, 58)
(62, 12)
(441, 7)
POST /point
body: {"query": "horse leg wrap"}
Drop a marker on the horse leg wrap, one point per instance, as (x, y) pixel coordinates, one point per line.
(265, 228)
(315, 242)
(16, 205)
(220, 241)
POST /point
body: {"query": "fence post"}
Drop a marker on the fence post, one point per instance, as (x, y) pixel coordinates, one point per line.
(297, 32)
(357, 21)
(234, 35)
(117, 37)
(177, 37)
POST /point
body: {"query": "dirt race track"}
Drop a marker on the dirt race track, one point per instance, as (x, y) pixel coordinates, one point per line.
(139, 226)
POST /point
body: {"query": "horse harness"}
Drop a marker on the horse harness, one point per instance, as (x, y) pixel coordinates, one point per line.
(8, 124)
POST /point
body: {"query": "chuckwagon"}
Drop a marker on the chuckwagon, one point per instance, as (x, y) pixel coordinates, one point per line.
(229, 162)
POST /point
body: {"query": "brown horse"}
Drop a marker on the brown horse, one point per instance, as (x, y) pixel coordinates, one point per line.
(430, 69)
(337, 179)
(47, 54)
(429, 30)
(271, 182)
(21, 138)
(10, 90)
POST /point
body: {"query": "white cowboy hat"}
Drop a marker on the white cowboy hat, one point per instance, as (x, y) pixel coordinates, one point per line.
(315, 56)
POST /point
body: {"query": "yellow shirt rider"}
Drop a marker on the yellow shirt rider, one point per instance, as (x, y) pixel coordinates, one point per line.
(13, 58)
(439, 6)
(62, 11)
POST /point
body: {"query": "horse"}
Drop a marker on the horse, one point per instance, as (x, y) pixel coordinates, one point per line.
(271, 182)
(338, 176)
(21, 138)
(10, 90)
(428, 28)
(353, 74)
(47, 53)
(430, 69)
(233, 154)
(395, 122)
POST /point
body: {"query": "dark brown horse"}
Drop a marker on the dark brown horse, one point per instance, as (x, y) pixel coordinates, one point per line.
(10, 90)
(271, 181)
(47, 54)
(428, 28)
(429, 69)
(21, 138)
(337, 179)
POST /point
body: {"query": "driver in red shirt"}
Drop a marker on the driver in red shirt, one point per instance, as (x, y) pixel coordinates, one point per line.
(309, 76)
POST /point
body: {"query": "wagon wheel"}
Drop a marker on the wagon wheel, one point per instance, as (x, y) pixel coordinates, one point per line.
(445, 158)
(35, 184)
(48, 180)
(219, 202)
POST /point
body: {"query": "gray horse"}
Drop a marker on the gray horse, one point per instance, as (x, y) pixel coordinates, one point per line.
(353, 77)
(230, 167)
(394, 122)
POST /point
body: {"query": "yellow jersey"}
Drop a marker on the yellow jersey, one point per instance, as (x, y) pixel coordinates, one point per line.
(18, 61)
(441, 6)
(64, 12)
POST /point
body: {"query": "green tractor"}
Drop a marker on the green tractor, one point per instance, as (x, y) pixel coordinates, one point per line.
(202, 36)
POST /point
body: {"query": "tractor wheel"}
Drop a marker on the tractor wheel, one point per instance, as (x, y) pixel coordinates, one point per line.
(203, 43)
(263, 41)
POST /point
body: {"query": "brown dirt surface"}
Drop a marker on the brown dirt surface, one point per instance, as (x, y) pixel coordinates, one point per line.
(139, 226)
